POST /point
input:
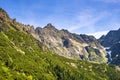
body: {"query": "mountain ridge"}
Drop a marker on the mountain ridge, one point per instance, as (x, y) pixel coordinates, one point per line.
(64, 43)
(68, 43)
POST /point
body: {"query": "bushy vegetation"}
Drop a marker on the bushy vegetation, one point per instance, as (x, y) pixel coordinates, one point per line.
(23, 58)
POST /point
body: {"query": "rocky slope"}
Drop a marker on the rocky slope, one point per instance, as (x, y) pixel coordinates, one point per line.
(112, 44)
(71, 45)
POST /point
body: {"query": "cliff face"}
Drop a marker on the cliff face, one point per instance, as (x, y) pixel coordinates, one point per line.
(112, 44)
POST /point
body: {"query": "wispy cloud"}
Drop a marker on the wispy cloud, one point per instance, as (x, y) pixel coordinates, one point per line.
(109, 1)
(88, 19)
(99, 34)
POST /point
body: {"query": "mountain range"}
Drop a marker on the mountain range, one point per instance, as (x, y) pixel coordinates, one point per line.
(51, 54)
(71, 45)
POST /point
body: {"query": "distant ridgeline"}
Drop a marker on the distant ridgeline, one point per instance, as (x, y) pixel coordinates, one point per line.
(50, 54)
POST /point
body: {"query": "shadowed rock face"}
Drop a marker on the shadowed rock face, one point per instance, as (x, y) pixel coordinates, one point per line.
(66, 42)
(115, 53)
(111, 38)
(112, 41)
(62, 41)
(87, 38)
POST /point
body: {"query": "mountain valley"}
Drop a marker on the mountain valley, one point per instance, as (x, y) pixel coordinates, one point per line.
(51, 54)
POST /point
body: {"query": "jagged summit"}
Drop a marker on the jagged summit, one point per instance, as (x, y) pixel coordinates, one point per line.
(71, 45)
(3, 15)
(88, 38)
(112, 37)
(3, 11)
(49, 26)
(65, 30)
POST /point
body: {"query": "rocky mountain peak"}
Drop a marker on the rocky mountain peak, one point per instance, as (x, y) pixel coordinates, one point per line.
(49, 26)
(112, 37)
(111, 42)
(65, 30)
(3, 15)
(71, 45)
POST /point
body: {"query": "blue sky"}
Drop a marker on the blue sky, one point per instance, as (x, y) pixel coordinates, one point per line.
(94, 17)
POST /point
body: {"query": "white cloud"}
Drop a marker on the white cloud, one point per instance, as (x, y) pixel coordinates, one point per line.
(99, 34)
